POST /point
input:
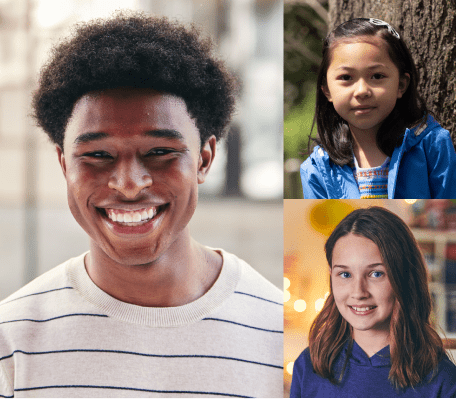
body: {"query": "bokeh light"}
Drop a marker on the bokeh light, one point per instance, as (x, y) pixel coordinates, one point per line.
(319, 303)
(300, 305)
(290, 368)
(325, 216)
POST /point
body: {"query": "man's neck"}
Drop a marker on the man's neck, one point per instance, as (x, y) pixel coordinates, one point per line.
(182, 274)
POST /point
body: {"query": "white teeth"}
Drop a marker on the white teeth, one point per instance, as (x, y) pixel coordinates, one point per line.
(126, 216)
(365, 309)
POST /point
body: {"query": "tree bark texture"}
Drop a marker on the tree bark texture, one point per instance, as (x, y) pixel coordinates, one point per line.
(429, 29)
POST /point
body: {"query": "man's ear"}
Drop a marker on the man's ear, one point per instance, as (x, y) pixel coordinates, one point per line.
(61, 156)
(326, 92)
(206, 157)
(404, 82)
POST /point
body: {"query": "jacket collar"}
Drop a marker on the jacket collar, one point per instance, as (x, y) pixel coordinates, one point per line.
(411, 138)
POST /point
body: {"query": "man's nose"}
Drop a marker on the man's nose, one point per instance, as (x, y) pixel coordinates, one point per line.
(130, 177)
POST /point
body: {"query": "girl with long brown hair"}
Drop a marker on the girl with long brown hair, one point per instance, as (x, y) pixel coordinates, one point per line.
(373, 337)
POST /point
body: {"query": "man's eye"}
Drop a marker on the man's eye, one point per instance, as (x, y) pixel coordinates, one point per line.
(344, 274)
(160, 151)
(98, 154)
(378, 76)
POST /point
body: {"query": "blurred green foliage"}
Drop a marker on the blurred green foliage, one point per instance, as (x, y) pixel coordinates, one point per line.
(296, 129)
(297, 125)
(305, 28)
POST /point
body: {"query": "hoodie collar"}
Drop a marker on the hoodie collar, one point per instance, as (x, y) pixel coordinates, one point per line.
(380, 359)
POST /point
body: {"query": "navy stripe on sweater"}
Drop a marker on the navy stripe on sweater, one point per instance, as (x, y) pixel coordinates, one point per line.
(54, 318)
(37, 293)
(243, 325)
(258, 297)
(132, 389)
(140, 354)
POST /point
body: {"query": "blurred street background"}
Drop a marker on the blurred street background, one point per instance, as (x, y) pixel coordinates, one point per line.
(240, 206)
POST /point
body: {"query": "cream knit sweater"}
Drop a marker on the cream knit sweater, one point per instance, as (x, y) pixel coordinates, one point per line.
(62, 336)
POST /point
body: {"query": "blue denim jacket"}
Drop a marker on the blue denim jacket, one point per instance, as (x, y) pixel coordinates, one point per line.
(424, 166)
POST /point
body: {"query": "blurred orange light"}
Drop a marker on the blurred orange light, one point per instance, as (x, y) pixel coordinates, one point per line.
(290, 368)
(300, 305)
(319, 303)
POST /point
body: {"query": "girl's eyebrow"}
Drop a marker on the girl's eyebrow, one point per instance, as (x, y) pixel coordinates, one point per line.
(374, 66)
(371, 266)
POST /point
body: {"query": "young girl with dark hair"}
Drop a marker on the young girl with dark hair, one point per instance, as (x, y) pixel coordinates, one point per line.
(373, 337)
(376, 138)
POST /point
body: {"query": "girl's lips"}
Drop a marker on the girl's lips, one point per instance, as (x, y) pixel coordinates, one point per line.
(362, 310)
(362, 111)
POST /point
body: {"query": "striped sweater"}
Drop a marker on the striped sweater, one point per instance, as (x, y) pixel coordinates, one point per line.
(62, 336)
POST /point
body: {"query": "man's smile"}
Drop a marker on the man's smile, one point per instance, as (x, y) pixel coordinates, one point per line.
(132, 221)
(131, 216)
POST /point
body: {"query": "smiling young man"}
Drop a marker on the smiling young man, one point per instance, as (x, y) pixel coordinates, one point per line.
(135, 106)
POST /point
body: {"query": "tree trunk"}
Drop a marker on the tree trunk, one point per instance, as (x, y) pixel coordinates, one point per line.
(429, 29)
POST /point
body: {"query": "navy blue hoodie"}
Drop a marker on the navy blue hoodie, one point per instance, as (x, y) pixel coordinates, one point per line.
(366, 377)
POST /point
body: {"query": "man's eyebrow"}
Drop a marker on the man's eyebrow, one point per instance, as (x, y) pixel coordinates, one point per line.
(87, 137)
(165, 133)
(159, 133)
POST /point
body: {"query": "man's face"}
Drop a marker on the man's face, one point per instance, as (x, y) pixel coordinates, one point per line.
(132, 162)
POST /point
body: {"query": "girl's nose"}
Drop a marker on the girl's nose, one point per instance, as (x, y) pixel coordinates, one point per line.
(362, 89)
(359, 288)
(130, 177)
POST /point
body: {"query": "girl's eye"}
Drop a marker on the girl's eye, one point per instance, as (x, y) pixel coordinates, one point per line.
(345, 77)
(377, 274)
(344, 274)
(378, 76)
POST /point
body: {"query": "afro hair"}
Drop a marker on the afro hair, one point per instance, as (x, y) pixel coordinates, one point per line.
(133, 49)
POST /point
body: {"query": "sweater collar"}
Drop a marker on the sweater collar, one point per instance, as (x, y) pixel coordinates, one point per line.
(190, 313)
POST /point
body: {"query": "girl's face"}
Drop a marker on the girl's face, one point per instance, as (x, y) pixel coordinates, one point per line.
(361, 288)
(363, 83)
